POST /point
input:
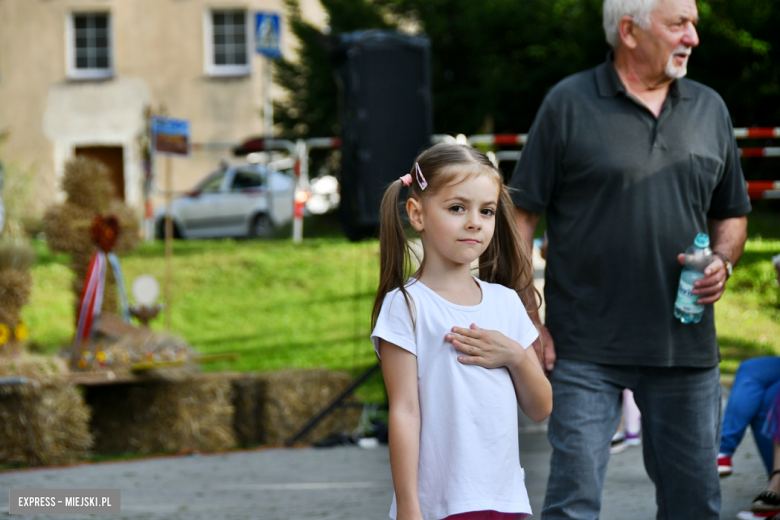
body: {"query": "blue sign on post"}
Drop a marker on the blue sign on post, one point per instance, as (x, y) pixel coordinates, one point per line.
(171, 136)
(267, 34)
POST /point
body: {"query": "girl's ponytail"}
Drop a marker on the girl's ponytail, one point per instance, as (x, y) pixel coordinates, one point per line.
(505, 261)
(394, 252)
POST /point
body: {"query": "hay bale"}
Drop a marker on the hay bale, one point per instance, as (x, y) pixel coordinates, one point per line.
(42, 369)
(129, 226)
(285, 401)
(14, 292)
(15, 288)
(67, 229)
(162, 416)
(43, 424)
(246, 410)
(87, 183)
(16, 253)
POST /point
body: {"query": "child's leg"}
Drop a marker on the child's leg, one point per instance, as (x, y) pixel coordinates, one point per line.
(764, 443)
(631, 417)
(753, 378)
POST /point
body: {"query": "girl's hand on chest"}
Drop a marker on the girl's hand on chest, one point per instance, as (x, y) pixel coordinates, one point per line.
(485, 348)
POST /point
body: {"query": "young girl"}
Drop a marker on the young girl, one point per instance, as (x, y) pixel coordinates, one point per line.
(452, 346)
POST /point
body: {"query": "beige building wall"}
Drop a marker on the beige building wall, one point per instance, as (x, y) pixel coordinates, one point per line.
(159, 60)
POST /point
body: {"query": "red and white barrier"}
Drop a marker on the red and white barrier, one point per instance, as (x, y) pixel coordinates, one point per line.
(760, 189)
(300, 151)
(739, 133)
(757, 133)
(756, 189)
(771, 151)
(763, 189)
(498, 139)
(264, 145)
(323, 142)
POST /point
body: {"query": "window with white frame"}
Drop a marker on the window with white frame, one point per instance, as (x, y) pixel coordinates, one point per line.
(89, 46)
(227, 42)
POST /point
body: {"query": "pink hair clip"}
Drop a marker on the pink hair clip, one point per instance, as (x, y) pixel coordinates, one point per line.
(406, 179)
(420, 179)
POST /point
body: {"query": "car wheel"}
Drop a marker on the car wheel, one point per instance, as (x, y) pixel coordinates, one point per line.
(160, 230)
(262, 227)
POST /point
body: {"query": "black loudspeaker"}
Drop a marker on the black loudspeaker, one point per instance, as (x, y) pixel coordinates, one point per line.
(386, 113)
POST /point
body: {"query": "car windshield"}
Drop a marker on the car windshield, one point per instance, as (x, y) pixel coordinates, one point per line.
(212, 182)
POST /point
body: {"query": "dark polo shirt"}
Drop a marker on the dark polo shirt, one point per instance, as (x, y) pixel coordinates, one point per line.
(624, 194)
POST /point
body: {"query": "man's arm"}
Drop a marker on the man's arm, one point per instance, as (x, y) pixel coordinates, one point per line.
(544, 346)
(728, 237)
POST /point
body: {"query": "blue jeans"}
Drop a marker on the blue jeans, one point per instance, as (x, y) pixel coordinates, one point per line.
(680, 414)
(755, 387)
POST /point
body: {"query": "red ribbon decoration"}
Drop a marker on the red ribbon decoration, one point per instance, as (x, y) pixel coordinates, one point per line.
(104, 231)
(91, 300)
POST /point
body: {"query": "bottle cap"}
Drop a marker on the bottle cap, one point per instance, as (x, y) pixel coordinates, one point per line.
(702, 240)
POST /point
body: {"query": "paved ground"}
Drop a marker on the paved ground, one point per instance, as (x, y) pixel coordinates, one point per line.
(330, 483)
(346, 483)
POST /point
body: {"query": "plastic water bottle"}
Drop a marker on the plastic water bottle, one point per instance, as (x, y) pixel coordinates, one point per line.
(697, 258)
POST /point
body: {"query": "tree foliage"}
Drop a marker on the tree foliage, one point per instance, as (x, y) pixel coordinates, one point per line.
(310, 106)
(739, 56)
(494, 60)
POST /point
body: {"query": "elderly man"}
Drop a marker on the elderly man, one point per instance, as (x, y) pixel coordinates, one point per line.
(631, 161)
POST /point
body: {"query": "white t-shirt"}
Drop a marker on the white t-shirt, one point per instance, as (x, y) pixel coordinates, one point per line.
(469, 454)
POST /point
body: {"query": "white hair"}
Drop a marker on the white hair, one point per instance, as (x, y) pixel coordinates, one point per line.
(614, 10)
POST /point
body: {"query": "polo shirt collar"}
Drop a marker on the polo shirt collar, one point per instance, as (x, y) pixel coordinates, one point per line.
(610, 85)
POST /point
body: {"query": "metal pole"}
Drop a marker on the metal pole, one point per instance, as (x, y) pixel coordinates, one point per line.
(268, 107)
(168, 242)
(332, 405)
(148, 205)
(148, 165)
(303, 154)
(298, 204)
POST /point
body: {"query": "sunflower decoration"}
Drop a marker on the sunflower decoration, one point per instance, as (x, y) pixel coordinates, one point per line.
(101, 357)
(21, 332)
(5, 333)
(85, 360)
(18, 333)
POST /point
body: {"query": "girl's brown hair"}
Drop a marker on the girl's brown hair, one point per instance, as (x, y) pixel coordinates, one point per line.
(505, 261)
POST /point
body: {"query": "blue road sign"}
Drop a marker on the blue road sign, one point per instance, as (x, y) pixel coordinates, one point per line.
(267, 34)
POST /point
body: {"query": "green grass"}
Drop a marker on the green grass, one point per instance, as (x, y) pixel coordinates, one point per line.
(283, 305)
(275, 303)
(748, 315)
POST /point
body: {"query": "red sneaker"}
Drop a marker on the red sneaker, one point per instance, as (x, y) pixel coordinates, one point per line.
(724, 465)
